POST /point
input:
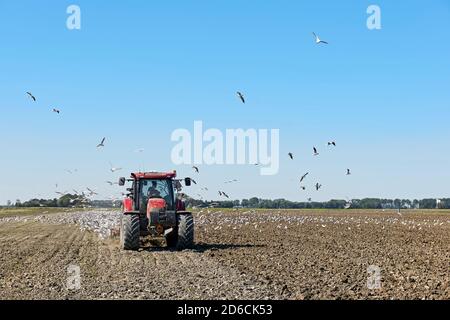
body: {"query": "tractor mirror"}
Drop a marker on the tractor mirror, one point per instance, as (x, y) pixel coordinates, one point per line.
(187, 182)
(122, 181)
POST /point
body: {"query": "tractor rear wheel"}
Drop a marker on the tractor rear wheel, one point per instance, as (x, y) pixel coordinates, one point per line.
(130, 232)
(185, 231)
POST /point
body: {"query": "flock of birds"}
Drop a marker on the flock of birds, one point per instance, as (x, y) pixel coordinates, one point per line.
(83, 196)
(315, 153)
(90, 192)
(218, 220)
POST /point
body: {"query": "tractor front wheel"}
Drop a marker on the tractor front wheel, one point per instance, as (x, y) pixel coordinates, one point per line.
(185, 231)
(130, 232)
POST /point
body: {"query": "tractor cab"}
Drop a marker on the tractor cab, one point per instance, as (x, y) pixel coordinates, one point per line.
(152, 201)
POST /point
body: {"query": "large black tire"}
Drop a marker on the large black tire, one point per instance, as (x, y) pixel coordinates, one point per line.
(130, 232)
(185, 234)
(172, 238)
(143, 225)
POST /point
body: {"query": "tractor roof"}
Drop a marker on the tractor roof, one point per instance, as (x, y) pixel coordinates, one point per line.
(154, 175)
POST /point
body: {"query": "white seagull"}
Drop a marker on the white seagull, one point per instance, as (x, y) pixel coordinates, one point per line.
(318, 41)
(114, 169)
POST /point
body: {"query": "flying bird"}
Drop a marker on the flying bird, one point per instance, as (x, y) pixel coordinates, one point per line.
(303, 187)
(31, 96)
(318, 41)
(291, 155)
(114, 169)
(332, 143)
(318, 186)
(91, 192)
(303, 177)
(111, 183)
(101, 144)
(195, 168)
(139, 150)
(56, 111)
(348, 172)
(241, 96)
(315, 151)
(193, 181)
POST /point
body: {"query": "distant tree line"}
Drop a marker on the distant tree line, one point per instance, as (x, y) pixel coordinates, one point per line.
(70, 200)
(66, 201)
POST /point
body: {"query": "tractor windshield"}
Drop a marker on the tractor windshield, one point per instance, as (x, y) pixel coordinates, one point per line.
(150, 188)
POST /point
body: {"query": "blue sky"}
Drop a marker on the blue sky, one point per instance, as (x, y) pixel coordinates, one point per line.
(136, 72)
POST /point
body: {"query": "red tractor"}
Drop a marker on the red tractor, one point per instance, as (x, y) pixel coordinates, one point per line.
(152, 207)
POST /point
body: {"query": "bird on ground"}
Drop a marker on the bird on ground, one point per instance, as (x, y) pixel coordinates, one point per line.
(332, 143)
(101, 144)
(348, 172)
(291, 155)
(241, 96)
(315, 151)
(56, 111)
(195, 168)
(318, 41)
(303, 177)
(31, 96)
(318, 186)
